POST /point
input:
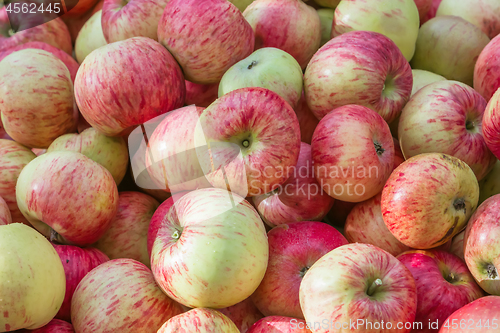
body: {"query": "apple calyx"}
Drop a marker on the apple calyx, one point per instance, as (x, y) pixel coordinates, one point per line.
(245, 143)
(491, 271)
(451, 278)
(378, 148)
(374, 286)
(470, 126)
(177, 234)
(303, 271)
(459, 204)
(253, 63)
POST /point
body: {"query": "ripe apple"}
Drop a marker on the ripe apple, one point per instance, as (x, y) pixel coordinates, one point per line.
(201, 94)
(423, 6)
(444, 33)
(124, 84)
(299, 198)
(54, 326)
(269, 68)
(76, 9)
(446, 117)
(204, 47)
(289, 25)
(293, 248)
(432, 11)
(396, 19)
(199, 320)
(490, 184)
(360, 67)
(353, 153)
(90, 37)
(307, 120)
(77, 263)
(36, 97)
(421, 78)
(444, 285)
(233, 248)
(428, 199)
(280, 324)
(128, 231)
(490, 124)
(32, 281)
(241, 4)
(352, 284)
(57, 196)
(398, 154)
(120, 296)
(326, 20)
(457, 245)
(5, 217)
(487, 69)
(481, 316)
(243, 314)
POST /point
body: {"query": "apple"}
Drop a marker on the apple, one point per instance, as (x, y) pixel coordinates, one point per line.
(241, 4)
(293, 248)
(398, 154)
(201, 94)
(90, 37)
(199, 320)
(76, 9)
(444, 33)
(359, 283)
(457, 245)
(432, 11)
(32, 281)
(421, 78)
(5, 216)
(120, 296)
(490, 121)
(124, 84)
(330, 4)
(307, 120)
(326, 20)
(444, 285)
(36, 97)
(396, 19)
(428, 199)
(77, 263)
(289, 25)
(57, 195)
(127, 234)
(487, 69)
(243, 314)
(269, 68)
(233, 248)
(481, 316)
(280, 324)
(490, 184)
(359, 67)
(299, 198)
(365, 224)
(446, 117)
(205, 48)
(423, 6)
(109, 152)
(54, 326)
(75, 24)
(353, 153)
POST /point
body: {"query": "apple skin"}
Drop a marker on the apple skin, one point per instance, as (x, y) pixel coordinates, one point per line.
(54, 326)
(457, 245)
(5, 217)
(32, 279)
(241, 4)
(490, 124)
(114, 96)
(341, 286)
(444, 285)
(54, 189)
(396, 19)
(490, 184)
(432, 11)
(120, 296)
(77, 263)
(299, 198)
(398, 154)
(90, 37)
(483, 310)
(359, 67)
(352, 134)
(243, 314)
(332, 4)
(80, 8)
(229, 234)
(487, 70)
(441, 34)
(307, 120)
(279, 324)
(187, 26)
(423, 6)
(326, 20)
(293, 248)
(365, 224)
(111, 153)
(289, 25)
(446, 117)
(200, 320)
(127, 234)
(421, 78)
(428, 199)
(269, 68)
(36, 97)
(201, 94)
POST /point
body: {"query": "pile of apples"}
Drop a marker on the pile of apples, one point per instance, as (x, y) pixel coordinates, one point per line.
(258, 166)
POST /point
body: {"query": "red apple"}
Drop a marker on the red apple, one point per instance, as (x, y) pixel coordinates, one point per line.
(201, 94)
(79, 8)
(243, 314)
(490, 126)
(480, 316)
(280, 324)
(199, 320)
(423, 6)
(307, 120)
(5, 217)
(432, 11)
(54, 326)
(398, 154)
(487, 69)
(457, 245)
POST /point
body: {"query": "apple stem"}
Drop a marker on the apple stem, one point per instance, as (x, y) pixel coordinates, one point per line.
(252, 64)
(377, 283)
(176, 234)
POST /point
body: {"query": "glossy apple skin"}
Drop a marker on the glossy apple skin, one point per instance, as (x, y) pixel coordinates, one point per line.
(187, 28)
(457, 245)
(13, 158)
(335, 288)
(307, 120)
(77, 263)
(289, 25)
(201, 94)
(396, 19)
(299, 198)
(475, 315)
(279, 324)
(446, 117)
(365, 224)
(55, 188)
(444, 285)
(243, 314)
(54, 326)
(114, 102)
(5, 217)
(491, 119)
(487, 70)
(90, 37)
(111, 153)
(428, 199)
(127, 234)
(199, 320)
(254, 155)
(229, 234)
(353, 153)
(293, 248)
(359, 67)
(36, 97)
(120, 296)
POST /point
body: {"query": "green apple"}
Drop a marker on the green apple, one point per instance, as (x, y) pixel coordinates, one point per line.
(421, 78)
(327, 3)
(90, 37)
(269, 68)
(326, 20)
(241, 4)
(490, 184)
(32, 280)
